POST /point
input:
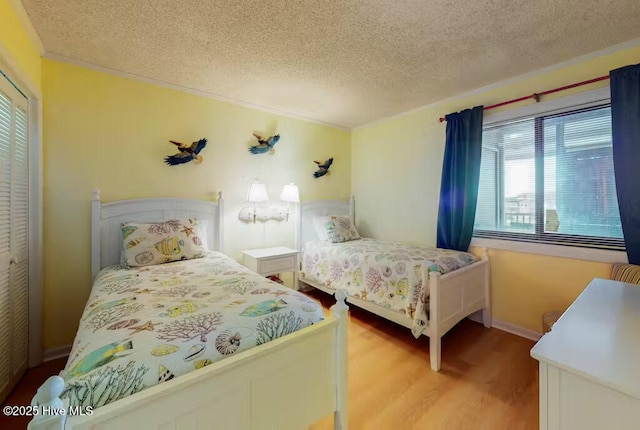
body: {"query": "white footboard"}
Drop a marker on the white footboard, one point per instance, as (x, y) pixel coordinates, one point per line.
(288, 383)
(453, 297)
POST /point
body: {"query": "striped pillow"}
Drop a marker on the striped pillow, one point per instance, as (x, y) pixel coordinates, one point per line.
(629, 273)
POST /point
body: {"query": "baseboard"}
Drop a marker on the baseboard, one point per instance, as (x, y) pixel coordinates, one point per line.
(517, 330)
(508, 327)
(477, 317)
(59, 352)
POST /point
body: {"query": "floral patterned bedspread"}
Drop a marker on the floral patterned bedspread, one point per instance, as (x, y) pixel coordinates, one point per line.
(147, 325)
(386, 273)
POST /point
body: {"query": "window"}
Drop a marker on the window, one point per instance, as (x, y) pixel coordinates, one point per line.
(549, 178)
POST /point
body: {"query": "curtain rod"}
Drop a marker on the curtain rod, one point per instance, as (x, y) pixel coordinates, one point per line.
(536, 96)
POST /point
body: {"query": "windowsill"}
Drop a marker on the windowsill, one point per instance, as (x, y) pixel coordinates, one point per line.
(575, 252)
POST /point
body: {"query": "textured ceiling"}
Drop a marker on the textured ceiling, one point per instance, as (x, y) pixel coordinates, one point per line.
(345, 62)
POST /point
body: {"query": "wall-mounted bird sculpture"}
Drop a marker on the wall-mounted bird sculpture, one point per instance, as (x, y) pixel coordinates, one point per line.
(323, 169)
(264, 145)
(187, 153)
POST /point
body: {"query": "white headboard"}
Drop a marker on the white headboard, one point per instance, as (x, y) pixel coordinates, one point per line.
(310, 210)
(106, 218)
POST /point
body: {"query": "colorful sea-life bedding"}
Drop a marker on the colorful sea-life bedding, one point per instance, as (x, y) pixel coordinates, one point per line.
(146, 325)
(388, 274)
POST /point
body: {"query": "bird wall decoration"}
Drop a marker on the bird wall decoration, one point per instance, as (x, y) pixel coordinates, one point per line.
(323, 168)
(264, 145)
(187, 153)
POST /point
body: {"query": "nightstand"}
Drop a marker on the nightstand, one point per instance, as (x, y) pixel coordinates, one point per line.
(269, 261)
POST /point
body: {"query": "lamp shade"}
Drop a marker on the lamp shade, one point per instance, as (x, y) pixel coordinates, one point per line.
(257, 193)
(290, 193)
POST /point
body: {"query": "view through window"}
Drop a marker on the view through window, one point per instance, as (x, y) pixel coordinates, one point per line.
(550, 179)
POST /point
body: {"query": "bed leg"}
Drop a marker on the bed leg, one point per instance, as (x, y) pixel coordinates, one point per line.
(486, 312)
(49, 404)
(435, 352)
(486, 317)
(296, 274)
(341, 312)
(434, 319)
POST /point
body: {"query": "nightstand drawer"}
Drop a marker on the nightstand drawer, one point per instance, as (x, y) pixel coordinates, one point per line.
(276, 264)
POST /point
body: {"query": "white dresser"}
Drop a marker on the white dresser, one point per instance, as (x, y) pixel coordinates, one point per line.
(590, 362)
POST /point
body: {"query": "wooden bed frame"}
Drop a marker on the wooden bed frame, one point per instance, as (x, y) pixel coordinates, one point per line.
(453, 296)
(288, 383)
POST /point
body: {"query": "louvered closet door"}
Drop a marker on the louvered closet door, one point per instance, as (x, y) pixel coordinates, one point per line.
(19, 280)
(14, 235)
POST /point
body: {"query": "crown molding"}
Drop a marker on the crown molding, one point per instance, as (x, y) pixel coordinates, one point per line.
(24, 19)
(17, 74)
(577, 60)
(184, 89)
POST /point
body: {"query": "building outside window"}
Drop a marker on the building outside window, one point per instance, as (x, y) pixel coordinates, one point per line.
(549, 178)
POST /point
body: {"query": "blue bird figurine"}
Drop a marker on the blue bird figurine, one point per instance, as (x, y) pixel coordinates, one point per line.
(187, 153)
(323, 169)
(263, 145)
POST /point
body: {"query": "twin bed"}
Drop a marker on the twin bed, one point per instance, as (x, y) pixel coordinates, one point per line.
(425, 289)
(206, 343)
(193, 344)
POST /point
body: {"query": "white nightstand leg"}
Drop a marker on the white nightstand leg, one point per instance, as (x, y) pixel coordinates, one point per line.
(296, 283)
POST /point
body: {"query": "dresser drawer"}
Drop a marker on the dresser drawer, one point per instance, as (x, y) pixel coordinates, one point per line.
(277, 264)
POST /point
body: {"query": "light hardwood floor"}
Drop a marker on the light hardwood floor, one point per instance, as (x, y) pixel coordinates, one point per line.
(488, 380)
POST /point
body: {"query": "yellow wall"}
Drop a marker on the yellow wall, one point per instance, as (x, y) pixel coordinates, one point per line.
(111, 133)
(396, 170)
(524, 286)
(15, 42)
(102, 131)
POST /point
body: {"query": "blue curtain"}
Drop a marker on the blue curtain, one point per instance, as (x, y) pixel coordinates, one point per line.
(625, 121)
(460, 177)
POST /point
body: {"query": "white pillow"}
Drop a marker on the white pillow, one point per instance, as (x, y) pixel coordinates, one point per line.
(339, 228)
(318, 226)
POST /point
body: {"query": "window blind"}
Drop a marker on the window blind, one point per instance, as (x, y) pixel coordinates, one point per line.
(550, 178)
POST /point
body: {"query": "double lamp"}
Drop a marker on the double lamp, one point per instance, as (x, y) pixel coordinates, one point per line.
(257, 193)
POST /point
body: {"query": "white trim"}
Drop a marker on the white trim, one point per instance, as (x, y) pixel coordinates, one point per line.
(27, 86)
(27, 25)
(517, 330)
(59, 352)
(182, 88)
(36, 287)
(508, 327)
(577, 60)
(575, 252)
(64, 59)
(581, 100)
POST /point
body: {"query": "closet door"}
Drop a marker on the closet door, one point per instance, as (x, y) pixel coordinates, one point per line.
(14, 236)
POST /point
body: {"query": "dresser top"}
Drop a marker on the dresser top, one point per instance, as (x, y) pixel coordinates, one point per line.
(598, 337)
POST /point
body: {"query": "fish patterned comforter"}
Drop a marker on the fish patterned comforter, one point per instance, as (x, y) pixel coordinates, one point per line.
(147, 325)
(386, 273)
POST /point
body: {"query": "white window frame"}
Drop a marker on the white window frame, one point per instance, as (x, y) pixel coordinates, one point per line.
(560, 105)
